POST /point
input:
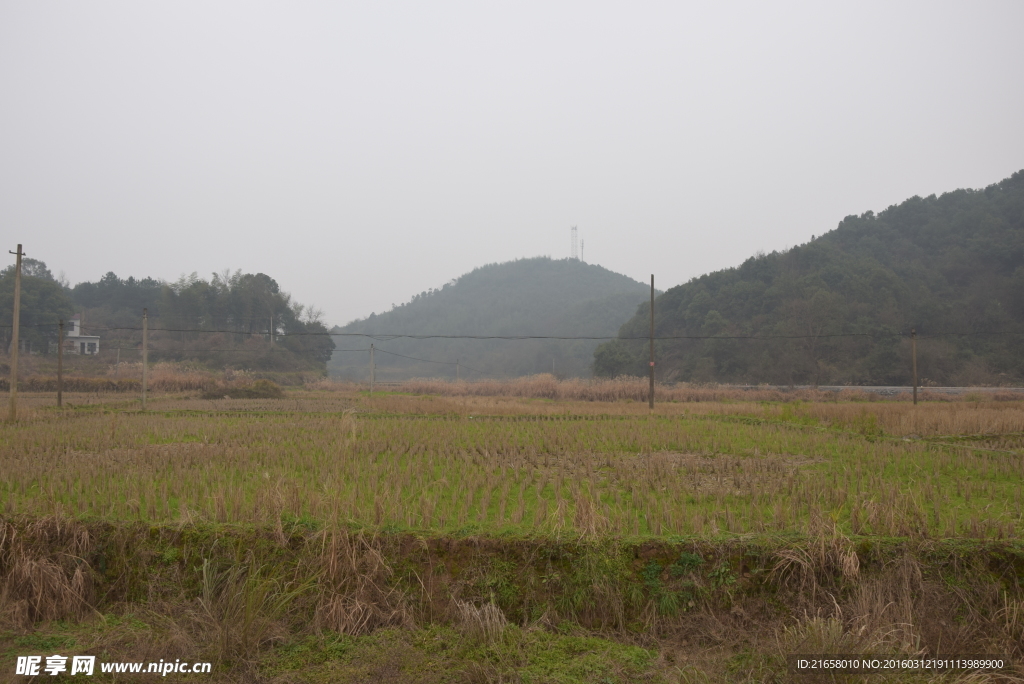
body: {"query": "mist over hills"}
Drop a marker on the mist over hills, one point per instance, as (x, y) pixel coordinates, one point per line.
(942, 265)
(536, 296)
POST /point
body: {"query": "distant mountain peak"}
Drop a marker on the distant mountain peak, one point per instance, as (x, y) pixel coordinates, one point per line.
(530, 296)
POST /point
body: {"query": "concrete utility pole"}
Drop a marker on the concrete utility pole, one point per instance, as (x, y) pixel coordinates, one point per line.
(913, 356)
(373, 370)
(650, 397)
(60, 363)
(13, 415)
(456, 369)
(145, 354)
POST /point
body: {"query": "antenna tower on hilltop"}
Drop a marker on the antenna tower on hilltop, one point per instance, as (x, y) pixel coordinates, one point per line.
(575, 255)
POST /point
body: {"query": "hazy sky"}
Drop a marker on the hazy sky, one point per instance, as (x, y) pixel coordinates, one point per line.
(363, 152)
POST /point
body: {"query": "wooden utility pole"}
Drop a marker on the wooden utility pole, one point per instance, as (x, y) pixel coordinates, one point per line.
(913, 356)
(13, 415)
(60, 363)
(145, 354)
(373, 370)
(650, 395)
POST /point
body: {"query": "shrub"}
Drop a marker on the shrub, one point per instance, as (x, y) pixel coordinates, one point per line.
(261, 389)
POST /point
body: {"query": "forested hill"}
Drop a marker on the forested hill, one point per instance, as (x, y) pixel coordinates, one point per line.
(949, 264)
(538, 296)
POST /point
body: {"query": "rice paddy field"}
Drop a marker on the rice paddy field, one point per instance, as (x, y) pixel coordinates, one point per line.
(331, 535)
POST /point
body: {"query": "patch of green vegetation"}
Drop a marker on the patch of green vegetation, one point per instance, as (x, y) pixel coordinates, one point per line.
(154, 438)
(39, 642)
(260, 389)
(687, 563)
(298, 655)
(792, 413)
(170, 555)
(500, 580)
(867, 425)
(439, 654)
(722, 576)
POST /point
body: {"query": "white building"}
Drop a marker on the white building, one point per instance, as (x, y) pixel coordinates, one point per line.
(77, 343)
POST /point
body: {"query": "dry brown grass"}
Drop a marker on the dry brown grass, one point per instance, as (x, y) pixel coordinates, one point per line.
(241, 608)
(996, 413)
(238, 593)
(806, 566)
(129, 380)
(355, 592)
(43, 575)
(629, 388)
(485, 623)
(236, 596)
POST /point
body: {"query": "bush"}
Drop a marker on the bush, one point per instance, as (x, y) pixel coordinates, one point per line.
(261, 389)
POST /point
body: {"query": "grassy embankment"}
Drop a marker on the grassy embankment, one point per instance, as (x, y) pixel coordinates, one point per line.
(488, 538)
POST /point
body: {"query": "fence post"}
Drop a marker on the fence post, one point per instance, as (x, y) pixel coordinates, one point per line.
(60, 363)
(13, 415)
(913, 356)
(145, 354)
(650, 397)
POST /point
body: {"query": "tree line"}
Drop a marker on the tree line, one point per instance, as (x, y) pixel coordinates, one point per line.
(233, 319)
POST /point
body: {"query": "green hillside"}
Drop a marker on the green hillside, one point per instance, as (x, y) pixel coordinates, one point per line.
(942, 265)
(538, 296)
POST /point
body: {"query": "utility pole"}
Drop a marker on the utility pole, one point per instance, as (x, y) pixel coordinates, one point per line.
(913, 356)
(60, 363)
(650, 397)
(373, 370)
(13, 416)
(456, 369)
(145, 354)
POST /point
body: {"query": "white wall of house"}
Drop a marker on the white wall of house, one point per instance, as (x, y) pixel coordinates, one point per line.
(83, 344)
(80, 344)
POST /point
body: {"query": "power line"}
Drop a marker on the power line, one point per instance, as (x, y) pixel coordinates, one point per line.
(447, 363)
(387, 337)
(278, 350)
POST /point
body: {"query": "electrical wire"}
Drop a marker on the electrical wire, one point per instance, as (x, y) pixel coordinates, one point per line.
(447, 363)
(389, 337)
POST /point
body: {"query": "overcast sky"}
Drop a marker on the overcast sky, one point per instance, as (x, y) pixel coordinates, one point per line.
(363, 152)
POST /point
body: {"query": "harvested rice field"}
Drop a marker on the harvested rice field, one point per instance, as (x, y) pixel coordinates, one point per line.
(331, 535)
